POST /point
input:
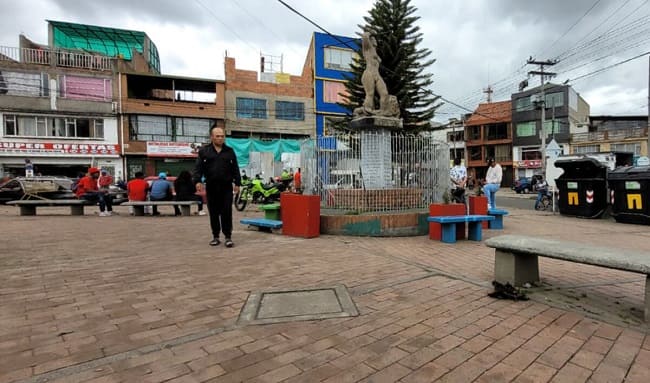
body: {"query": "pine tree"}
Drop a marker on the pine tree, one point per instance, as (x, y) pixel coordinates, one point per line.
(403, 65)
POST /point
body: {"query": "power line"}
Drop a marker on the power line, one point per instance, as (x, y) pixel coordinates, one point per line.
(231, 30)
(571, 27)
(610, 66)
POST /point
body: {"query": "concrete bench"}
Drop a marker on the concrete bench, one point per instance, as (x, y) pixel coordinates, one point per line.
(28, 207)
(449, 223)
(138, 206)
(497, 223)
(262, 224)
(516, 259)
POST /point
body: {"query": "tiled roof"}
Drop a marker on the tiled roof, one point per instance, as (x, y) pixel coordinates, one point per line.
(490, 113)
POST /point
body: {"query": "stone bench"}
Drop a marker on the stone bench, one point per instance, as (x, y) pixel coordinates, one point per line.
(448, 225)
(497, 223)
(138, 206)
(516, 259)
(28, 206)
(262, 223)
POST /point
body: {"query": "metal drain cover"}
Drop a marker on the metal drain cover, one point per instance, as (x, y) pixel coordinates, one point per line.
(273, 306)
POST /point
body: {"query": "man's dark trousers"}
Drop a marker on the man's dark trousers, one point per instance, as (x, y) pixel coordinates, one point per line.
(220, 209)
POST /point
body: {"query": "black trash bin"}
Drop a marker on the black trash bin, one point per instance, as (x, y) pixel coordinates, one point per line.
(630, 194)
(582, 187)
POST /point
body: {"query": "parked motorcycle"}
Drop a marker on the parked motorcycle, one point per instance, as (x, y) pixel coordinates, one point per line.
(255, 191)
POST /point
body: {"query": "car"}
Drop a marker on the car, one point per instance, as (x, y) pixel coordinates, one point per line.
(523, 185)
(119, 195)
(41, 187)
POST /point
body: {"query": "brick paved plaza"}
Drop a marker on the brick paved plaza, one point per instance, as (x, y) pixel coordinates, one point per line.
(145, 299)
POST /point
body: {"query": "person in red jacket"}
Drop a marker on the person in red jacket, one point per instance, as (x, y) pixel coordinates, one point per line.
(88, 189)
(137, 189)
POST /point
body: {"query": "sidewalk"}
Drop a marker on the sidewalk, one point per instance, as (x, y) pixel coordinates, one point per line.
(145, 299)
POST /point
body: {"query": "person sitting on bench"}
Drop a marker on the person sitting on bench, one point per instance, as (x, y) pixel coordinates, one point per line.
(186, 190)
(88, 188)
(161, 190)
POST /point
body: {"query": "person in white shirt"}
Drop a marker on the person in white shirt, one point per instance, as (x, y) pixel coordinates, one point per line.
(492, 182)
(458, 175)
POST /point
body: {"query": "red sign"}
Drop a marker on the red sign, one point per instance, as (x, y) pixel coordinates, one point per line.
(530, 164)
(58, 148)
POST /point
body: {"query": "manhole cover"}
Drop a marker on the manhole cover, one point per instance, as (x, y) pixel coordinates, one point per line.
(273, 306)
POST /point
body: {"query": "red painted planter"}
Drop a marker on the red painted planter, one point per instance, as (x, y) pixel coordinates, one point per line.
(441, 209)
(478, 206)
(300, 215)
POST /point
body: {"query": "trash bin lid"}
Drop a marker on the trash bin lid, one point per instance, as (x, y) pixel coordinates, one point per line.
(630, 173)
(582, 167)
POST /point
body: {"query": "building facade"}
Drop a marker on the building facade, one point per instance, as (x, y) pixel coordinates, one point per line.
(565, 112)
(165, 119)
(277, 105)
(332, 57)
(488, 133)
(613, 134)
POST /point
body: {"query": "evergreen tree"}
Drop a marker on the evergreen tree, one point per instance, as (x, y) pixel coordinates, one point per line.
(403, 64)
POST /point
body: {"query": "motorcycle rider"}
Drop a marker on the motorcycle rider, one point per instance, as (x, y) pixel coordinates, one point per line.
(542, 189)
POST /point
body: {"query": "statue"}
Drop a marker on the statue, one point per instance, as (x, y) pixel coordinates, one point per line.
(372, 82)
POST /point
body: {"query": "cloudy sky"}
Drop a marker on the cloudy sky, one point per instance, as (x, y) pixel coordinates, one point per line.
(476, 43)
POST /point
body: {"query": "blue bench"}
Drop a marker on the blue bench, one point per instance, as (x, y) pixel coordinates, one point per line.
(262, 223)
(449, 223)
(498, 214)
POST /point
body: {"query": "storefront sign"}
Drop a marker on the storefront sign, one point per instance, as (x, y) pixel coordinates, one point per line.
(172, 149)
(529, 164)
(49, 148)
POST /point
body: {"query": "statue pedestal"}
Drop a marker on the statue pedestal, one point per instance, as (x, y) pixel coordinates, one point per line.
(376, 152)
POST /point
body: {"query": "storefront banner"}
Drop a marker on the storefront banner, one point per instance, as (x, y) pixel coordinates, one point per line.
(172, 149)
(51, 148)
(529, 164)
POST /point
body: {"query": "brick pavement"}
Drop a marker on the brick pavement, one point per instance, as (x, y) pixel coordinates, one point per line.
(143, 299)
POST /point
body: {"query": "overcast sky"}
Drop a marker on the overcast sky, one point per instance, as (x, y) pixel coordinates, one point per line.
(476, 43)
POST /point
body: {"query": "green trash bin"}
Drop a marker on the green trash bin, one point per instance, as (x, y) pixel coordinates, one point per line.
(630, 194)
(271, 211)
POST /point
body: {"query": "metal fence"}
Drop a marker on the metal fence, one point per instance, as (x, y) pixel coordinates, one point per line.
(375, 171)
(56, 57)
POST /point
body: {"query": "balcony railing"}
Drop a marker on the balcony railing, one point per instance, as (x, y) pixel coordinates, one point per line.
(610, 135)
(59, 58)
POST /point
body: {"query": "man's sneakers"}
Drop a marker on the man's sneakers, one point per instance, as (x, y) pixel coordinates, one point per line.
(215, 242)
(202, 212)
(105, 214)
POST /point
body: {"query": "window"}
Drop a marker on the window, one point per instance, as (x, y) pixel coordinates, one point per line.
(287, 110)
(150, 128)
(497, 131)
(526, 129)
(86, 88)
(474, 133)
(24, 84)
(339, 59)
(458, 136)
(531, 153)
(334, 92)
(523, 104)
(503, 153)
(553, 127)
(632, 147)
(586, 149)
(192, 129)
(554, 100)
(251, 107)
(475, 153)
(64, 127)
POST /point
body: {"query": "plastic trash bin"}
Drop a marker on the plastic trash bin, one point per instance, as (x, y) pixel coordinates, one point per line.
(630, 194)
(582, 187)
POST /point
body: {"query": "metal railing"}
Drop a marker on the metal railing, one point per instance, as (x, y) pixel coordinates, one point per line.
(609, 135)
(410, 173)
(59, 58)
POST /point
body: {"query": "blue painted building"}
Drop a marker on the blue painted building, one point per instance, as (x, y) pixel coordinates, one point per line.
(332, 58)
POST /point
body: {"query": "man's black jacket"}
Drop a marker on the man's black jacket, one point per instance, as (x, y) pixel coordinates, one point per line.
(220, 169)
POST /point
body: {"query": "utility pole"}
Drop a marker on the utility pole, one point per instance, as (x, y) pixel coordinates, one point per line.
(542, 75)
(489, 92)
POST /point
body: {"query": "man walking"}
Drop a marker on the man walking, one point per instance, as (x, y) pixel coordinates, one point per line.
(217, 162)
